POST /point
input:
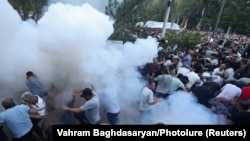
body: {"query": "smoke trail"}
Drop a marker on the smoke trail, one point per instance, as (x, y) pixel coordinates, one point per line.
(182, 108)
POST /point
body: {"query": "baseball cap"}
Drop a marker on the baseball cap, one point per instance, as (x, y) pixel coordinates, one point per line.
(86, 92)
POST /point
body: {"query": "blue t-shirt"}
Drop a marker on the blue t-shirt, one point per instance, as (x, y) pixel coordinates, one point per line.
(36, 87)
(17, 120)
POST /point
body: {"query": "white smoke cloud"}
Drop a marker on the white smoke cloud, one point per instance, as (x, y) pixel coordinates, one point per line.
(97, 4)
(68, 48)
(182, 108)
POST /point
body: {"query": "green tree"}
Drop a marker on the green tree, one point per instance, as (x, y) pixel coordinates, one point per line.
(185, 40)
(27, 7)
(192, 10)
(126, 16)
(234, 12)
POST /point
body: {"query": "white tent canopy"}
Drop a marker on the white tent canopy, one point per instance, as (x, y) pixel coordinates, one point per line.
(154, 24)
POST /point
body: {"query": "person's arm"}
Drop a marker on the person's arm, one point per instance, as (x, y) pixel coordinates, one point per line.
(184, 88)
(78, 91)
(74, 110)
(33, 114)
(33, 111)
(156, 100)
(225, 75)
(38, 116)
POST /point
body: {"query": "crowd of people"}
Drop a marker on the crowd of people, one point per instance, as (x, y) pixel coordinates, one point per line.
(27, 117)
(217, 74)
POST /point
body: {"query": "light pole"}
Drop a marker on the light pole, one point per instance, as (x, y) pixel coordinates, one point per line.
(219, 16)
(166, 20)
(199, 24)
(225, 37)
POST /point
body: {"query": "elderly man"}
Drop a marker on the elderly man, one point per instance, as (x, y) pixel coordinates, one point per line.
(17, 120)
(39, 104)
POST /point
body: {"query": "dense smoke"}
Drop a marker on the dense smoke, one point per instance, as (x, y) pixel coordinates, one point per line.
(68, 49)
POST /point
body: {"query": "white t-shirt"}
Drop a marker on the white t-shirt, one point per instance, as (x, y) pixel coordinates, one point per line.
(217, 71)
(168, 63)
(110, 100)
(217, 79)
(40, 106)
(229, 91)
(147, 96)
(230, 73)
(213, 62)
(183, 71)
(91, 108)
(192, 79)
(179, 65)
(163, 83)
(175, 84)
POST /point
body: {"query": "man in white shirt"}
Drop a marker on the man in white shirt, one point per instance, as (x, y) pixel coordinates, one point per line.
(183, 71)
(229, 92)
(213, 60)
(218, 73)
(146, 101)
(109, 99)
(229, 73)
(220, 70)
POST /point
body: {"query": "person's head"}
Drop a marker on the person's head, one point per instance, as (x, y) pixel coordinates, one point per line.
(165, 70)
(213, 56)
(222, 66)
(228, 65)
(184, 79)
(190, 51)
(8, 103)
(152, 85)
(29, 98)
(244, 62)
(155, 60)
(29, 74)
(87, 94)
(206, 84)
(194, 61)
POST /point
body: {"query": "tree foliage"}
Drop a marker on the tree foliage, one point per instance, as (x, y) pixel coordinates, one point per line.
(29, 8)
(185, 39)
(130, 12)
(236, 15)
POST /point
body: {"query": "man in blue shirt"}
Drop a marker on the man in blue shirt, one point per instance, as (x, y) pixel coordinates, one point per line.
(35, 85)
(17, 120)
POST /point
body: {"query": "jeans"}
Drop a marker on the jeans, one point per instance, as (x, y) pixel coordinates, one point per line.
(113, 118)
